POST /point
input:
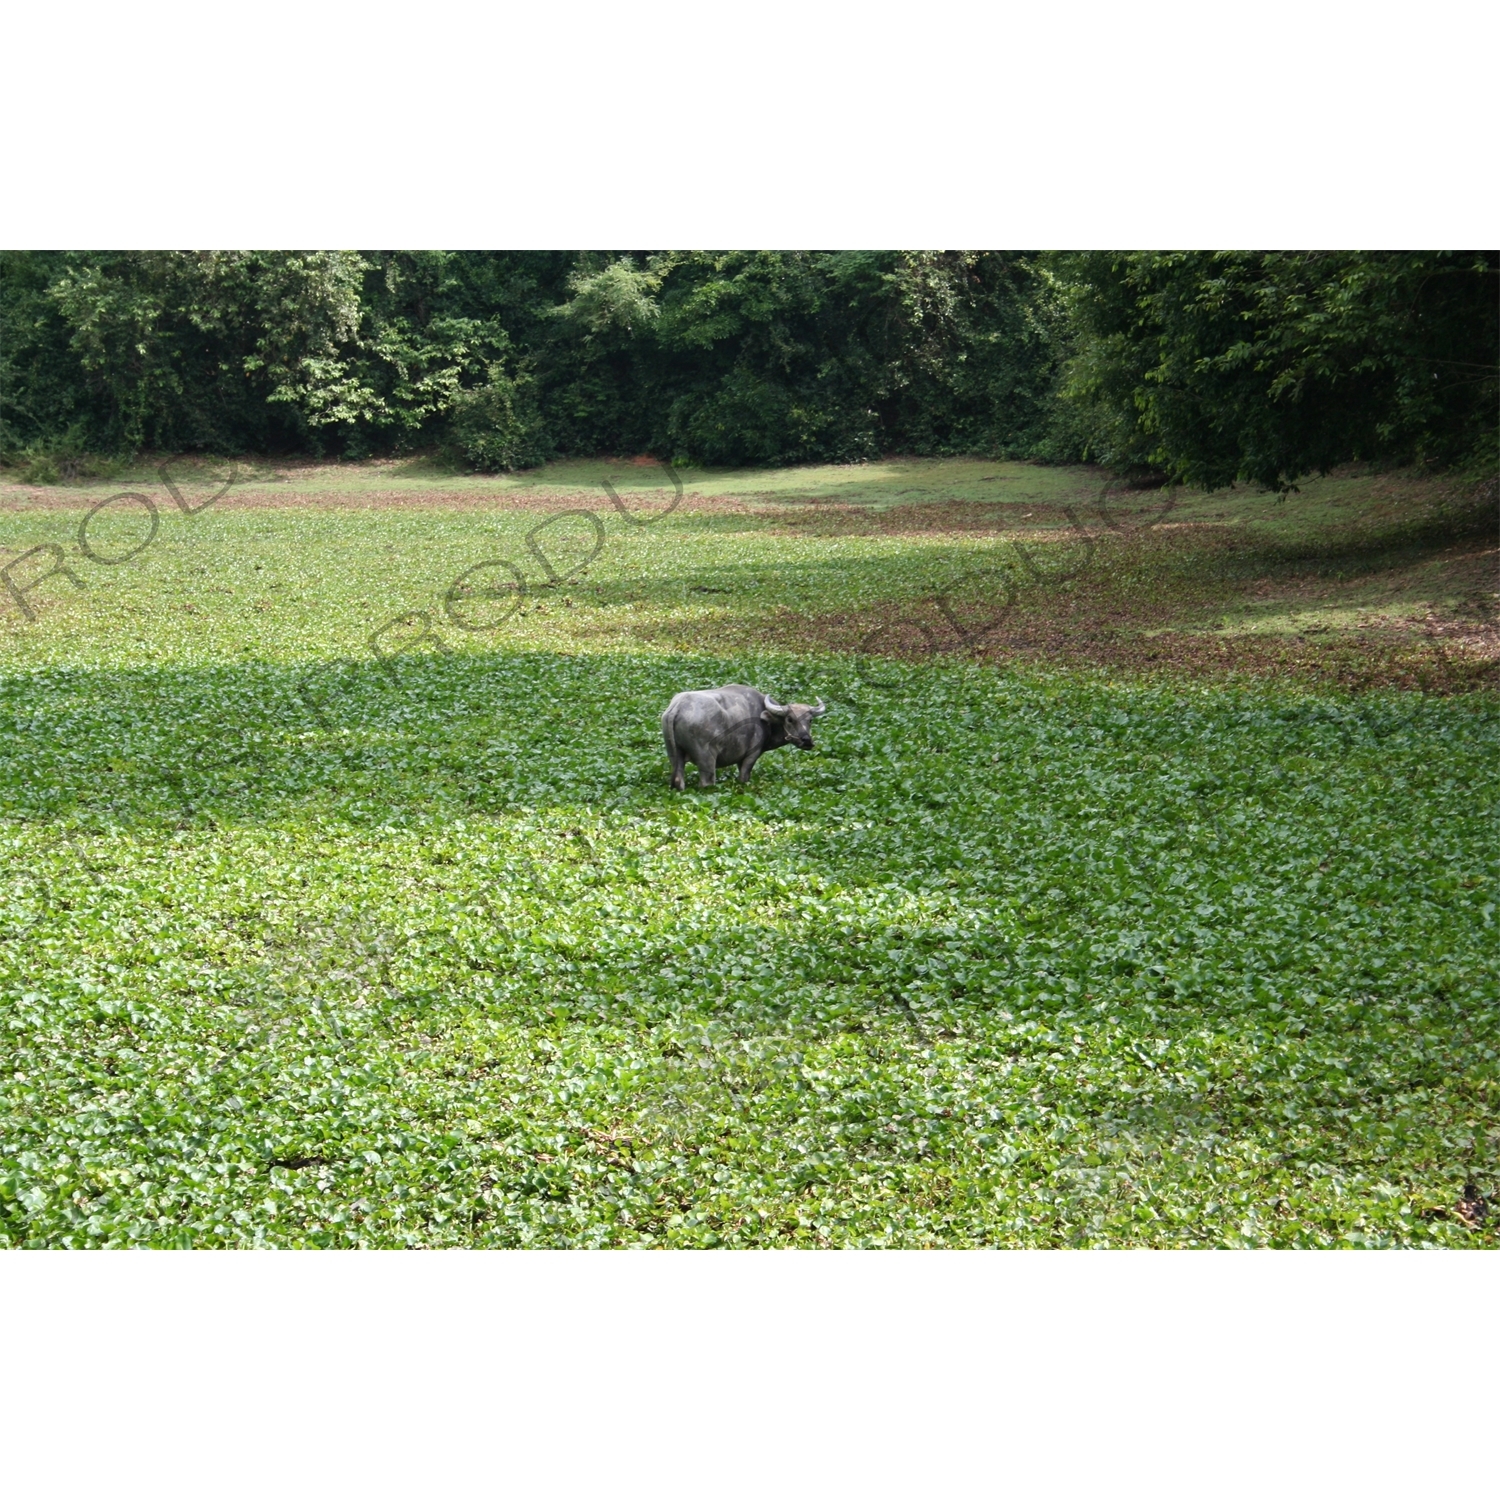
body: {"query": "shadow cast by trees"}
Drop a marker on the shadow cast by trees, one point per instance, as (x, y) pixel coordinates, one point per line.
(255, 742)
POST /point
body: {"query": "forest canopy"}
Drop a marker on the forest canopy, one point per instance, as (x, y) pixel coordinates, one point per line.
(1195, 367)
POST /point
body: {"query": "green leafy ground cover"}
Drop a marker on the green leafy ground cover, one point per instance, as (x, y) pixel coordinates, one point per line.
(302, 948)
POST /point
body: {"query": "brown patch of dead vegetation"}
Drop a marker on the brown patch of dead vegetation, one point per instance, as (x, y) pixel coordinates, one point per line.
(1436, 658)
(1161, 602)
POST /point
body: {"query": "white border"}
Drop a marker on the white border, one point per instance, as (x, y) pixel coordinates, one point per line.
(1303, 123)
(747, 1374)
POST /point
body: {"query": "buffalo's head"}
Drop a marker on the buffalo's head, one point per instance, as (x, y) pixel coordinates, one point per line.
(795, 720)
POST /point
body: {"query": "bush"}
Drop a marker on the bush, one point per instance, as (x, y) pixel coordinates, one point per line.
(496, 427)
(63, 460)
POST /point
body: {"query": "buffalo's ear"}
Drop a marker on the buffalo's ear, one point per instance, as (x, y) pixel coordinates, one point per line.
(767, 717)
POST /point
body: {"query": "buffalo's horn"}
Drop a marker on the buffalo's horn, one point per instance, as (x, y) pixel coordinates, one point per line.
(773, 707)
(822, 708)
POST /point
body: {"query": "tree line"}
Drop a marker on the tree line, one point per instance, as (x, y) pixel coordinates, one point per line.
(1196, 367)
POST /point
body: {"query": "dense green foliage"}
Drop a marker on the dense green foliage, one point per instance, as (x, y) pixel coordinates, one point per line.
(298, 948)
(1007, 963)
(1217, 366)
(1200, 367)
(508, 358)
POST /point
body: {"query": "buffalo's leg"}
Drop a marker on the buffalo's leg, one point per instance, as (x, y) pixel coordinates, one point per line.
(708, 769)
(748, 765)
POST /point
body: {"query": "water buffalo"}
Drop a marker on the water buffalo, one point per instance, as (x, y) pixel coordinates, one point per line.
(732, 725)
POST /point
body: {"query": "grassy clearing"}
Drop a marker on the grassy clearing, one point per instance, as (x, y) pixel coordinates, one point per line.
(302, 948)
(1361, 580)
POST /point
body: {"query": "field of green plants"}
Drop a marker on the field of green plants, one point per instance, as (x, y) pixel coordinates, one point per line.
(345, 903)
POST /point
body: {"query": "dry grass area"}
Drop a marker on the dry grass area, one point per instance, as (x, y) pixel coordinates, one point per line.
(1195, 600)
(1398, 591)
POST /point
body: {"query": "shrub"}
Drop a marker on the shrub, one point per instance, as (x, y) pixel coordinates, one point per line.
(63, 460)
(496, 427)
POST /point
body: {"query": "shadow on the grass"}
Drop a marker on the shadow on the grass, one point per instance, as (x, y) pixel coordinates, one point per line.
(415, 735)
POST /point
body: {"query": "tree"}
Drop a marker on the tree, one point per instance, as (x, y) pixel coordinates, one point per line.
(1212, 367)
